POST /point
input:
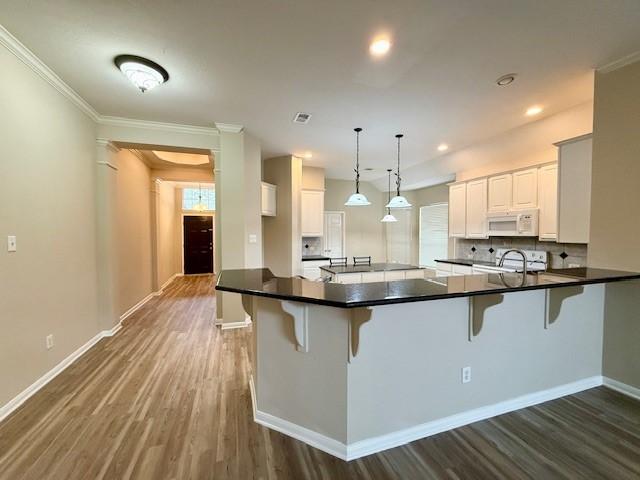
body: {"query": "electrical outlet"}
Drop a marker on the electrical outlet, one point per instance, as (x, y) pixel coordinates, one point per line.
(49, 341)
(466, 374)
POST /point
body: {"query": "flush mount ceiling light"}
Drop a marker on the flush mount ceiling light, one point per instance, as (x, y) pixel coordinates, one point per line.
(388, 217)
(380, 47)
(443, 147)
(398, 201)
(357, 199)
(507, 79)
(533, 110)
(142, 72)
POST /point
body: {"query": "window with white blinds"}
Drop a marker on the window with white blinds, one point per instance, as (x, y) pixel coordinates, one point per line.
(434, 233)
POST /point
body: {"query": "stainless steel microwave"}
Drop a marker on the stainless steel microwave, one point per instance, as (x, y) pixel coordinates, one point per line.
(516, 223)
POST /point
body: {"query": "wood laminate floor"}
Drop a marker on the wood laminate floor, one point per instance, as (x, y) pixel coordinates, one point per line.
(167, 398)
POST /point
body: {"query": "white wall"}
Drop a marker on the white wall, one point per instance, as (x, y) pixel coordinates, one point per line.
(47, 199)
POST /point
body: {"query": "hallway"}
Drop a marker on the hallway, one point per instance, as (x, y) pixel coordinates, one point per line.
(168, 398)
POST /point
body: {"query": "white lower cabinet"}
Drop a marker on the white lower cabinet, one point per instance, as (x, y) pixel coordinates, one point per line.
(311, 269)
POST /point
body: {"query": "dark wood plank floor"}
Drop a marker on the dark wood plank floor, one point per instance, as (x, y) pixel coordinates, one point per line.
(167, 398)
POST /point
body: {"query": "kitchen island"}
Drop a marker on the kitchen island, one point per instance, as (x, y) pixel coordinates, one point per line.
(354, 369)
(374, 272)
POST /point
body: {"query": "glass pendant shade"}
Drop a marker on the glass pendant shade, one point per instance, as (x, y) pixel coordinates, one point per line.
(357, 200)
(389, 218)
(398, 202)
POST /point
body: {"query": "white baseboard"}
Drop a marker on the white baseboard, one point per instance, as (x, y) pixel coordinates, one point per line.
(623, 388)
(316, 440)
(401, 437)
(167, 283)
(232, 325)
(23, 396)
(139, 305)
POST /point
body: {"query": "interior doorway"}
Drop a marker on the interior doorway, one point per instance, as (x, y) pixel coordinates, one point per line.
(197, 244)
(334, 234)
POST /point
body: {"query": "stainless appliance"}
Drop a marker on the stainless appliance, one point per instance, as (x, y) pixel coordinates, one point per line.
(537, 261)
(522, 223)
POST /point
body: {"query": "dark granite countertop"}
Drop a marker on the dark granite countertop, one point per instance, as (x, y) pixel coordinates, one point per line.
(310, 258)
(469, 262)
(374, 267)
(262, 282)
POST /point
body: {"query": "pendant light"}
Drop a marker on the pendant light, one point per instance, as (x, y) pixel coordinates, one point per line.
(388, 217)
(357, 199)
(398, 201)
(199, 207)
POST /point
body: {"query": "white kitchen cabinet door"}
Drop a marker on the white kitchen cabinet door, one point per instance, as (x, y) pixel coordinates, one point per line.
(574, 190)
(477, 209)
(394, 275)
(268, 199)
(525, 189)
(457, 210)
(500, 193)
(312, 213)
(350, 278)
(418, 274)
(548, 202)
(462, 270)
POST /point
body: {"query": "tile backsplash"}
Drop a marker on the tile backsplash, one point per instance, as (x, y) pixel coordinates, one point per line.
(312, 246)
(561, 255)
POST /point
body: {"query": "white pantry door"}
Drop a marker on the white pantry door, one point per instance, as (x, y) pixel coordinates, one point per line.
(334, 234)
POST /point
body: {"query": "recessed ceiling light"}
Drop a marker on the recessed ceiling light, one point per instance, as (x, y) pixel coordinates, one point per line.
(380, 47)
(142, 72)
(443, 147)
(507, 79)
(533, 110)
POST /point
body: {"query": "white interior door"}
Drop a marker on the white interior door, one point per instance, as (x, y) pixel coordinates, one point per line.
(334, 234)
(399, 237)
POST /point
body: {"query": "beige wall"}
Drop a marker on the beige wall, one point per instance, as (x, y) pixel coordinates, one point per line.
(47, 198)
(168, 260)
(365, 234)
(282, 234)
(615, 223)
(312, 178)
(134, 231)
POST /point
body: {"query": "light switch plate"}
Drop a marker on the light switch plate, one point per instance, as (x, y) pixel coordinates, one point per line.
(253, 238)
(12, 246)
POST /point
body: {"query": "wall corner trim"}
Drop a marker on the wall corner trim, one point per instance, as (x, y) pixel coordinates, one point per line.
(27, 57)
(625, 389)
(619, 63)
(229, 127)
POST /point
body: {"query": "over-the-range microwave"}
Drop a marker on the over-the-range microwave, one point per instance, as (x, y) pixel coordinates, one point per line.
(516, 223)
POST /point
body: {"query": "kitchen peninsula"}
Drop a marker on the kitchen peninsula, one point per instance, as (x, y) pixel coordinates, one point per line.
(353, 369)
(374, 272)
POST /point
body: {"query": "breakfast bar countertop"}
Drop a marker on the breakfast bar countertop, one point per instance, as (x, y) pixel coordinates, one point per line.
(261, 282)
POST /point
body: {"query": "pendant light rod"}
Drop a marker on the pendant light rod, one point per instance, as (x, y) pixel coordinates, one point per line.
(357, 130)
(389, 170)
(398, 180)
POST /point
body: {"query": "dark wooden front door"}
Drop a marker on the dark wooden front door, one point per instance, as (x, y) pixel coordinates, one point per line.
(198, 244)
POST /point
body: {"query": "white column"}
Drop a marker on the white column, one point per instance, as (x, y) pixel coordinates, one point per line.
(106, 228)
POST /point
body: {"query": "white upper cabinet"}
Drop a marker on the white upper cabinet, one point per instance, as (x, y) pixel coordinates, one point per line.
(457, 210)
(500, 193)
(268, 199)
(477, 208)
(548, 202)
(574, 187)
(525, 189)
(312, 210)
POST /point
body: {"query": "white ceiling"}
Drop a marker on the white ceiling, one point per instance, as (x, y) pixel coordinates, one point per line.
(257, 62)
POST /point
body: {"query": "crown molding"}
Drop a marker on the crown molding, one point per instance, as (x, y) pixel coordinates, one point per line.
(27, 57)
(619, 63)
(161, 126)
(229, 127)
(108, 144)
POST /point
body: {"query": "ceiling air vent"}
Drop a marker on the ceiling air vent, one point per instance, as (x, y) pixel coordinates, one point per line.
(302, 118)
